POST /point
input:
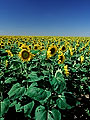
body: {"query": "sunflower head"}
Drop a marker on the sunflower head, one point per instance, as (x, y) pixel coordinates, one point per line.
(51, 51)
(9, 53)
(25, 55)
(6, 63)
(82, 49)
(23, 46)
(63, 48)
(81, 59)
(71, 52)
(36, 46)
(66, 70)
(61, 58)
(30, 47)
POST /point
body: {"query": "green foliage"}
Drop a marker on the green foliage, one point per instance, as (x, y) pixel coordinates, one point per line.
(40, 88)
(16, 91)
(61, 102)
(42, 114)
(4, 106)
(28, 108)
(38, 94)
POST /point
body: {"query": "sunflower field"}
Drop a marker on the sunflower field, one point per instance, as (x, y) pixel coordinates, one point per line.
(44, 78)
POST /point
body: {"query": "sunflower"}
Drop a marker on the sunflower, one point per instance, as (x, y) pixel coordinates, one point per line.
(2, 46)
(42, 48)
(25, 55)
(77, 44)
(9, 43)
(75, 48)
(51, 51)
(6, 63)
(36, 46)
(23, 46)
(82, 49)
(66, 70)
(30, 47)
(20, 44)
(2, 43)
(71, 52)
(81, 59)
(63, 48)
(61, 58)
(9, 53)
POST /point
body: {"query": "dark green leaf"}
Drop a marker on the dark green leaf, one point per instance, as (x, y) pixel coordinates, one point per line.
(4, 106)
(16, 91)
(33, 77)
(54, 114)
(84, 79)
(28, 108)
(38, 94)
(61, 103)
(40, 113)
(10, 79)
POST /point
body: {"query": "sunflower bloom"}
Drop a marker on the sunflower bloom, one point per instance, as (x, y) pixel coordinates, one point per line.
(36, 47)
(9, 53)
(82, 59)
(61, 58)
(71, 52)
(63, 48)
(66, 70)
(75, 48)
(82, 49)
(51, 51)
(25, 55)
(6, 63)
(23, 46)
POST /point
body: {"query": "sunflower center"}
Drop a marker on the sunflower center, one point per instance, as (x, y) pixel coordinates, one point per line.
(35, 47)
(61, 58)
(52, 50)
(63, 48)
(30, 47)
(25, 54)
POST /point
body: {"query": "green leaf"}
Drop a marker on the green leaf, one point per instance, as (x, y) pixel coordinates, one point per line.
(59, 76)
(83, 69)
(42, 56)
(13, 103)
(45, 72)
(77, 65)
(54, 114)
(18, 107)
(38, 94)
(33, 77)
(28, 108)
(16, 91)
(73, 70)
(84, 79)
(58, 84)
(10, 79)
(40, 113)
(4, 106)
(89, 88)
(34, 51)
(1, 118)
(61, 103)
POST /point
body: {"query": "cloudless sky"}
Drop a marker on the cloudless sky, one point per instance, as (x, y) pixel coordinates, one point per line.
(45, 17)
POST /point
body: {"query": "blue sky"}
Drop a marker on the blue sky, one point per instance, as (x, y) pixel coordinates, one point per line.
(45, 17)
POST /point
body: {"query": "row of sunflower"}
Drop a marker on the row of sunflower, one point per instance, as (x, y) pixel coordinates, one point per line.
(23, 45)
(53, 45)
(44, 70)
